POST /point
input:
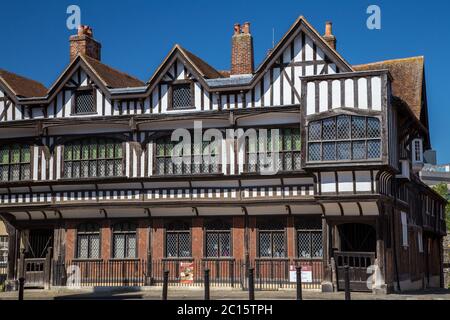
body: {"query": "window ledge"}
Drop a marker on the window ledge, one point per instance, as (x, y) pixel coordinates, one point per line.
(84, 114)
(190, 259)
(86, 260)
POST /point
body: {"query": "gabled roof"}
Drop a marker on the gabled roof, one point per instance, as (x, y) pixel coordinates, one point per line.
(205, 69)
(302, 23)
(408, 79)
(214, 78)
(21, 86)
(111, 77)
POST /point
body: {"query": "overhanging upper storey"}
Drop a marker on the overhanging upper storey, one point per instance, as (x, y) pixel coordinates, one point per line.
(348, 120)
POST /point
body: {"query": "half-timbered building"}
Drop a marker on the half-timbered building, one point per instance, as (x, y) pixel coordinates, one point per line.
(87, 182)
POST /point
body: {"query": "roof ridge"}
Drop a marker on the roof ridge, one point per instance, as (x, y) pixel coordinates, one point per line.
(421, 57)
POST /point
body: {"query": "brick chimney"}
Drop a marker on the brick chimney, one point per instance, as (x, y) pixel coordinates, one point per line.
(84, 43)
(328, 36)
(242, 50)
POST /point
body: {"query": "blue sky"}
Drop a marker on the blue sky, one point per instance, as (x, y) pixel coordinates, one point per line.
(137, 34)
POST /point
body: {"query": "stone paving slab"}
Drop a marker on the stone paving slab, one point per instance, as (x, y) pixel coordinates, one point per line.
(216, 294)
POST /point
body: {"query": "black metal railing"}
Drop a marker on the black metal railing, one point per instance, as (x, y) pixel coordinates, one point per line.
(269, 274)
(3, 275)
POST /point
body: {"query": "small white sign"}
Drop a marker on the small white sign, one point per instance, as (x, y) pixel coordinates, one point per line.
(306, 274)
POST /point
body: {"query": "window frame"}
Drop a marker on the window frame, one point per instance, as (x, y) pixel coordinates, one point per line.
(75, 95)
(21, 163)
(166, 140)
(351, 140)
(188, 230)
(263, 229)
(117, 145)
(282, 152)
(173, 86)
(218, 226)
(90, 235)
(308, 231)
(4, 248)
(127, 234)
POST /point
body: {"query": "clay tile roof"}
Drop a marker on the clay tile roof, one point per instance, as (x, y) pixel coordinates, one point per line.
(112, 77)
(23, 87)
(206, 70)
(408, 79)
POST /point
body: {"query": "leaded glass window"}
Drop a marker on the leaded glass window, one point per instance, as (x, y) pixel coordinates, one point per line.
(84, 102)
(218, 239)
(182, 96)
(94, 157)
(88, 241)
(15, 162)
(178, 240)
(309, 237)
(3, 250)
(344, 138)
(124, 241)
(271, 238)
(288, 147)
(202, 158)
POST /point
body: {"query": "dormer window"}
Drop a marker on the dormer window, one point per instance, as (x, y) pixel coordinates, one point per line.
(84, 102)
(417, 151)
(182, 96)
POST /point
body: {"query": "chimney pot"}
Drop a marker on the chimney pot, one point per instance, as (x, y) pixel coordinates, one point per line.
(328, 36)
(329, 28)
(246, 28)
(237, 28)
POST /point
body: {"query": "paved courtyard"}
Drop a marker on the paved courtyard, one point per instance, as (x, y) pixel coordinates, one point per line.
(216, 294)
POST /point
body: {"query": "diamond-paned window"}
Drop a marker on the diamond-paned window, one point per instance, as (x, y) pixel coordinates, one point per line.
(15, 162)
(309, 237)
(96, 157)
(271, 239)
(84, 102)
(182, 96)
(178, 240)
(88, 241)
(124, 241)
(3, 251)
(259, 155)
(200, 158)
(344, 138)
(218, 238)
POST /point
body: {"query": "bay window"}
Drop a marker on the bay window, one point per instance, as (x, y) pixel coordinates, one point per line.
(344, 138)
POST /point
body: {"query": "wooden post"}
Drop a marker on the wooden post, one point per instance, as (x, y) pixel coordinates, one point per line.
(165, 284)
(21, 288)
(299, 283)
(21, 269)
(347, 282)
(207, 295)
(48, 269)
(251, 284)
